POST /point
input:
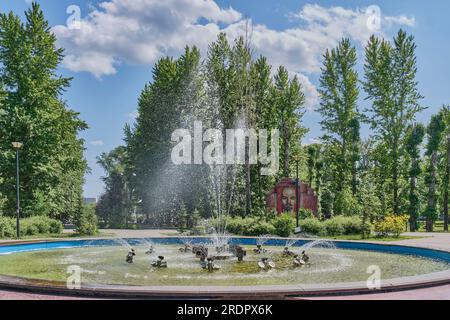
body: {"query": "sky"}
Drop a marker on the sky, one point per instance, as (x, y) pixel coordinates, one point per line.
(112, 45)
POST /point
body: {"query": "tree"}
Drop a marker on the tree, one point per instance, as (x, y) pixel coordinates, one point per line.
(33, 112)
(114, 207)
(390, 84)
(338, 108)
(414, 139)
(446, 180)
(289, 103)
(435, 132)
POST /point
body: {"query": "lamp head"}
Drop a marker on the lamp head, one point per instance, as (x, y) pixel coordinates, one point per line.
(17, 145)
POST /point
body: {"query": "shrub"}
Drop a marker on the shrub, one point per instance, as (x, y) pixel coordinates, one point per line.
(27, 228)
(259, 228)
(284, 225)
(86, 222)
(351, 225)
(391, 225)
(305, 214)
(42, 224)
(7, 227)
(312, 226)
(334, 227)
(56, 226)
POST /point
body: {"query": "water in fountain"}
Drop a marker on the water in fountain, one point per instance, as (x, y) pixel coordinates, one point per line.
(290, 243)
(262, 239)
(121, 242)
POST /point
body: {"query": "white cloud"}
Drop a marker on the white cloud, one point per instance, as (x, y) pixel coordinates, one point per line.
(97, 143)
(139, 32)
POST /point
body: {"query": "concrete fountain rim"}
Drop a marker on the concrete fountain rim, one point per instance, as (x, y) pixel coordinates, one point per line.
(223, 292)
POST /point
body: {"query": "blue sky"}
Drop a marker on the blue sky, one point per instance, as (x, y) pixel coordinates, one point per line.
(112, 52)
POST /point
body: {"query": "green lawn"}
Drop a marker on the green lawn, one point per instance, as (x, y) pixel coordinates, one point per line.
(371, 238)
(60, 236)
(438, 227)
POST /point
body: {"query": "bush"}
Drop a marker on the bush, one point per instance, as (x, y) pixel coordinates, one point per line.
(86, 222)
(29, 226)
(351, 225)
(305, 214)
(259, 228)
(312, 226)
(334, 227)
(284, 225)
(391, 225)
(7, 227)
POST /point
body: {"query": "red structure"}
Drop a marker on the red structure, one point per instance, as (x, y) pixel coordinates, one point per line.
(283, 197)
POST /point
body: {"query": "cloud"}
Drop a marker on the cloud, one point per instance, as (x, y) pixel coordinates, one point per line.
(97, 143)
(139, 32)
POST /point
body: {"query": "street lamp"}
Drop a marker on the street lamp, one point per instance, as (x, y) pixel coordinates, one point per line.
(17, 146)
(297, 194)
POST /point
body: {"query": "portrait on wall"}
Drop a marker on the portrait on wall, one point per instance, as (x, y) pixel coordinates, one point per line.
(288, 199)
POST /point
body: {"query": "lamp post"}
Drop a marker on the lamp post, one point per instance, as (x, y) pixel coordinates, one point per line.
(297, 195)
(17, 146)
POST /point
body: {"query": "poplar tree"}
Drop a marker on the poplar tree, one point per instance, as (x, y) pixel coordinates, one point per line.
(414, 139)
(391, 87)
(33, 112)
(435, 133)
(338, 107)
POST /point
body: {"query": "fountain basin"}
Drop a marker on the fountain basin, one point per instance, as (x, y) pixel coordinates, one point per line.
(427, 267)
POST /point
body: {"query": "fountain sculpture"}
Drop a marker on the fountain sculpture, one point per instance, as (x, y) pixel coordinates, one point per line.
(160, 263)
(130, 256)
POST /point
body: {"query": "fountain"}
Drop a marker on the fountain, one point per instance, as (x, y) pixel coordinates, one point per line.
(298, 262)
(211, 266)
(130, 256)
(259, 249)
(317, 264)
(287, 252)
(238, 251)
(160, 263)
(266, 264)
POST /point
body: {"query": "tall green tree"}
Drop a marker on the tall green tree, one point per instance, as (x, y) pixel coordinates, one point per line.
(435, 132)
(391, 86)
(446, 166)
(115, 205)
(289, 102)
(34, 113)
(338, 107)
(414, 139)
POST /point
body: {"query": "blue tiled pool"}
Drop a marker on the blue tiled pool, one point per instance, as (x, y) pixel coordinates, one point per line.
(386, 248)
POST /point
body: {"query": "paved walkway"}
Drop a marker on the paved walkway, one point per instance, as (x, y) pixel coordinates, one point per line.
(439, 241)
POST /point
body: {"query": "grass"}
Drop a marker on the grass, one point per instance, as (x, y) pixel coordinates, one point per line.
(372, 237)
(59, 236)
(438, 227)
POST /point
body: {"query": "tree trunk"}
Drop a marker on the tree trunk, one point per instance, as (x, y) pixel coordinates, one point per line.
(446, 185)
(432, 192)
(248, 187)
(413, 204)
(395, 181)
